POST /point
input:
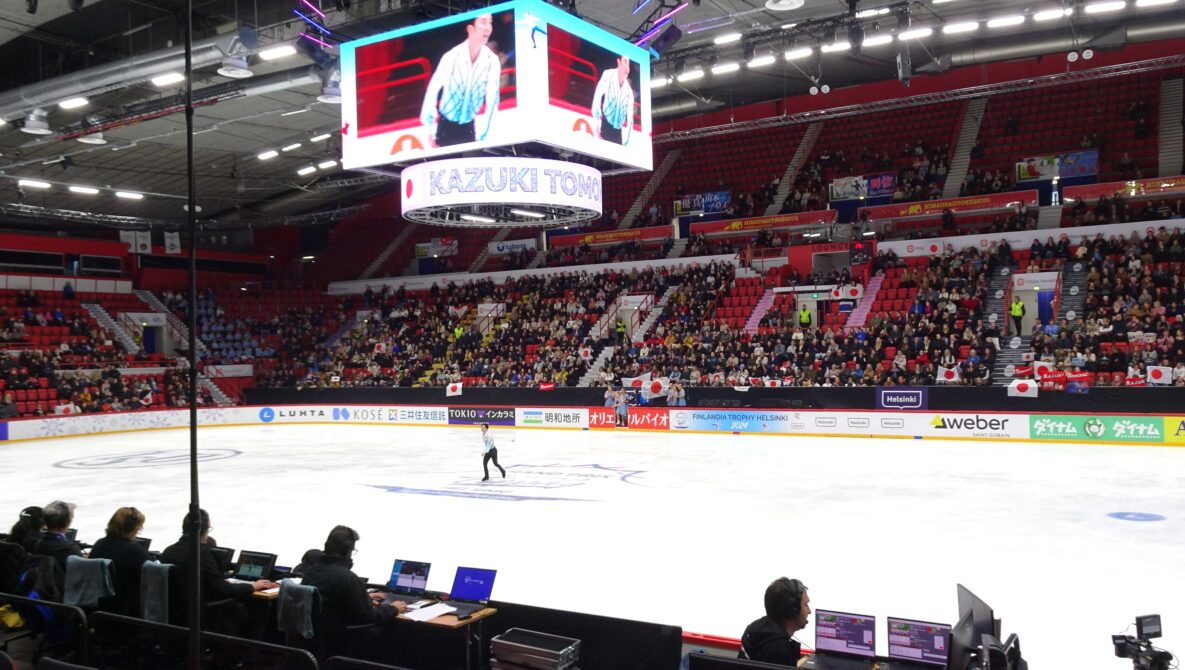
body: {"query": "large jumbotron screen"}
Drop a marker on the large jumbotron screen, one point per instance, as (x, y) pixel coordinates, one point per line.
(508, 74)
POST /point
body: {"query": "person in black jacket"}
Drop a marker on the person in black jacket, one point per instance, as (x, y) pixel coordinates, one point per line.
(770, 638)
(344, 601)
(230, 619)
(53, 543)
(127, 557)
(27, 529)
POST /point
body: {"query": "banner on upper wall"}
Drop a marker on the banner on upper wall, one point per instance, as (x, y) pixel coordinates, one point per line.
(612, 237)
(902, 210)
(776, 222)
(437, 246)
(511, 247)
(847, 188)
(880, 185)
(1064, 166)
(1139, 187)
(702, 203)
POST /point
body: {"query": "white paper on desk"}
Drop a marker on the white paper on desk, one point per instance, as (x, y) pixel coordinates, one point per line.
(429, 613)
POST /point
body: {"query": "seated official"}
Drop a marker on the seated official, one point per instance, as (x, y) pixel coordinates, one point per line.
(53, 543)
(127, 557)
(770, 638)
(230, 619)
(344, 601)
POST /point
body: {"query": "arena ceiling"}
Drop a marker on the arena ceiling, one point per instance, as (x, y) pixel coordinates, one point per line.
(57, 49)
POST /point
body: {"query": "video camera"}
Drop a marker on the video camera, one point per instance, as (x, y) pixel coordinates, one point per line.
(1139, 648)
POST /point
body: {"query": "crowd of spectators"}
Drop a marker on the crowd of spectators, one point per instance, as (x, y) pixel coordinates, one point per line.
(585, 254)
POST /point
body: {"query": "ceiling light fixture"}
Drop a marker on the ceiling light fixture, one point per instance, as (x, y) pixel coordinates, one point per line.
(725, 68)
(762, 61)
(93, 138)
(278, 52)
(477, 219)
(291, 147)
(325, 165)
(85, 190)
(36, 123)
(235, 67)
(1006, 21)
(658, 82)
(801, 52)
(877, 40)
(691, 75)
(318, 138)
(308, 258)
(835, 47)
(789, 26)
(956, 28)
(73, 103)
(167, 79)
(268, 155)
(33, 183)
(869, 13)
(1103, 7)
(728, 38)
(1051, 14)
(308, 169)
(915, 33)
(528, 213)
(1153, 3)
(129, 195)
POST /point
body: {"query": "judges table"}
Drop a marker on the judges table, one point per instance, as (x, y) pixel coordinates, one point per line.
(473, 653)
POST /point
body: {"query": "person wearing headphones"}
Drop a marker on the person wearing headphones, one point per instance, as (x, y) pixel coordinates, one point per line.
(770, 639)
(127, 558)
(344, 601)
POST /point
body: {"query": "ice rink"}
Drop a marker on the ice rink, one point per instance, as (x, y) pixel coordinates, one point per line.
(679, 529)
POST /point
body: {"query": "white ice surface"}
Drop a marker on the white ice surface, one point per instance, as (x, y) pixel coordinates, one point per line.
(878, 527)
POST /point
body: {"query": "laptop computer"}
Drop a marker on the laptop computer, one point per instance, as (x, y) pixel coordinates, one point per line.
(471, 590)
(844, 641)
(144, 542)
(225, 557)
(918, 644)
(409, 581)
(254, 565)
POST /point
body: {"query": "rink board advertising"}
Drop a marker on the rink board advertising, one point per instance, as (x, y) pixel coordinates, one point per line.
(512, 73)
(918, 424)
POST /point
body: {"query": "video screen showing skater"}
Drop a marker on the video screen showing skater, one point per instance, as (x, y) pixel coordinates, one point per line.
(448, 82)
(409, 575)
(588, 78)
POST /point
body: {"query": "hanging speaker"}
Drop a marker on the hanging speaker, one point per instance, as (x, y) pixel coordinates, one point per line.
(666, 39)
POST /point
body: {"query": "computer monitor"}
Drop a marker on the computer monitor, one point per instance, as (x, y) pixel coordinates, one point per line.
(963, 644)
(144, 542)
(702, 661)
(473, 584)
(843, 633)
(409, 576)
(254, 565)
(984, 620)
(919, 642)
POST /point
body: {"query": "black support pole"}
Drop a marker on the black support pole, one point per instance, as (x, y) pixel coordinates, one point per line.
(194, 528)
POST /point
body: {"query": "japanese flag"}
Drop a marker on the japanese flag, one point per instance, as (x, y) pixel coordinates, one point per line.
(636, 382)
(1024, 388)
(586, 353)
(454, 389)
(948, 374)
(657, 387)
(380, 347)
(773, 383)
(1042, 368)
(1160, 374)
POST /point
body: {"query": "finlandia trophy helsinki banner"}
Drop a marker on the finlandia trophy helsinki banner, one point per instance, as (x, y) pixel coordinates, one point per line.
(510, 73)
